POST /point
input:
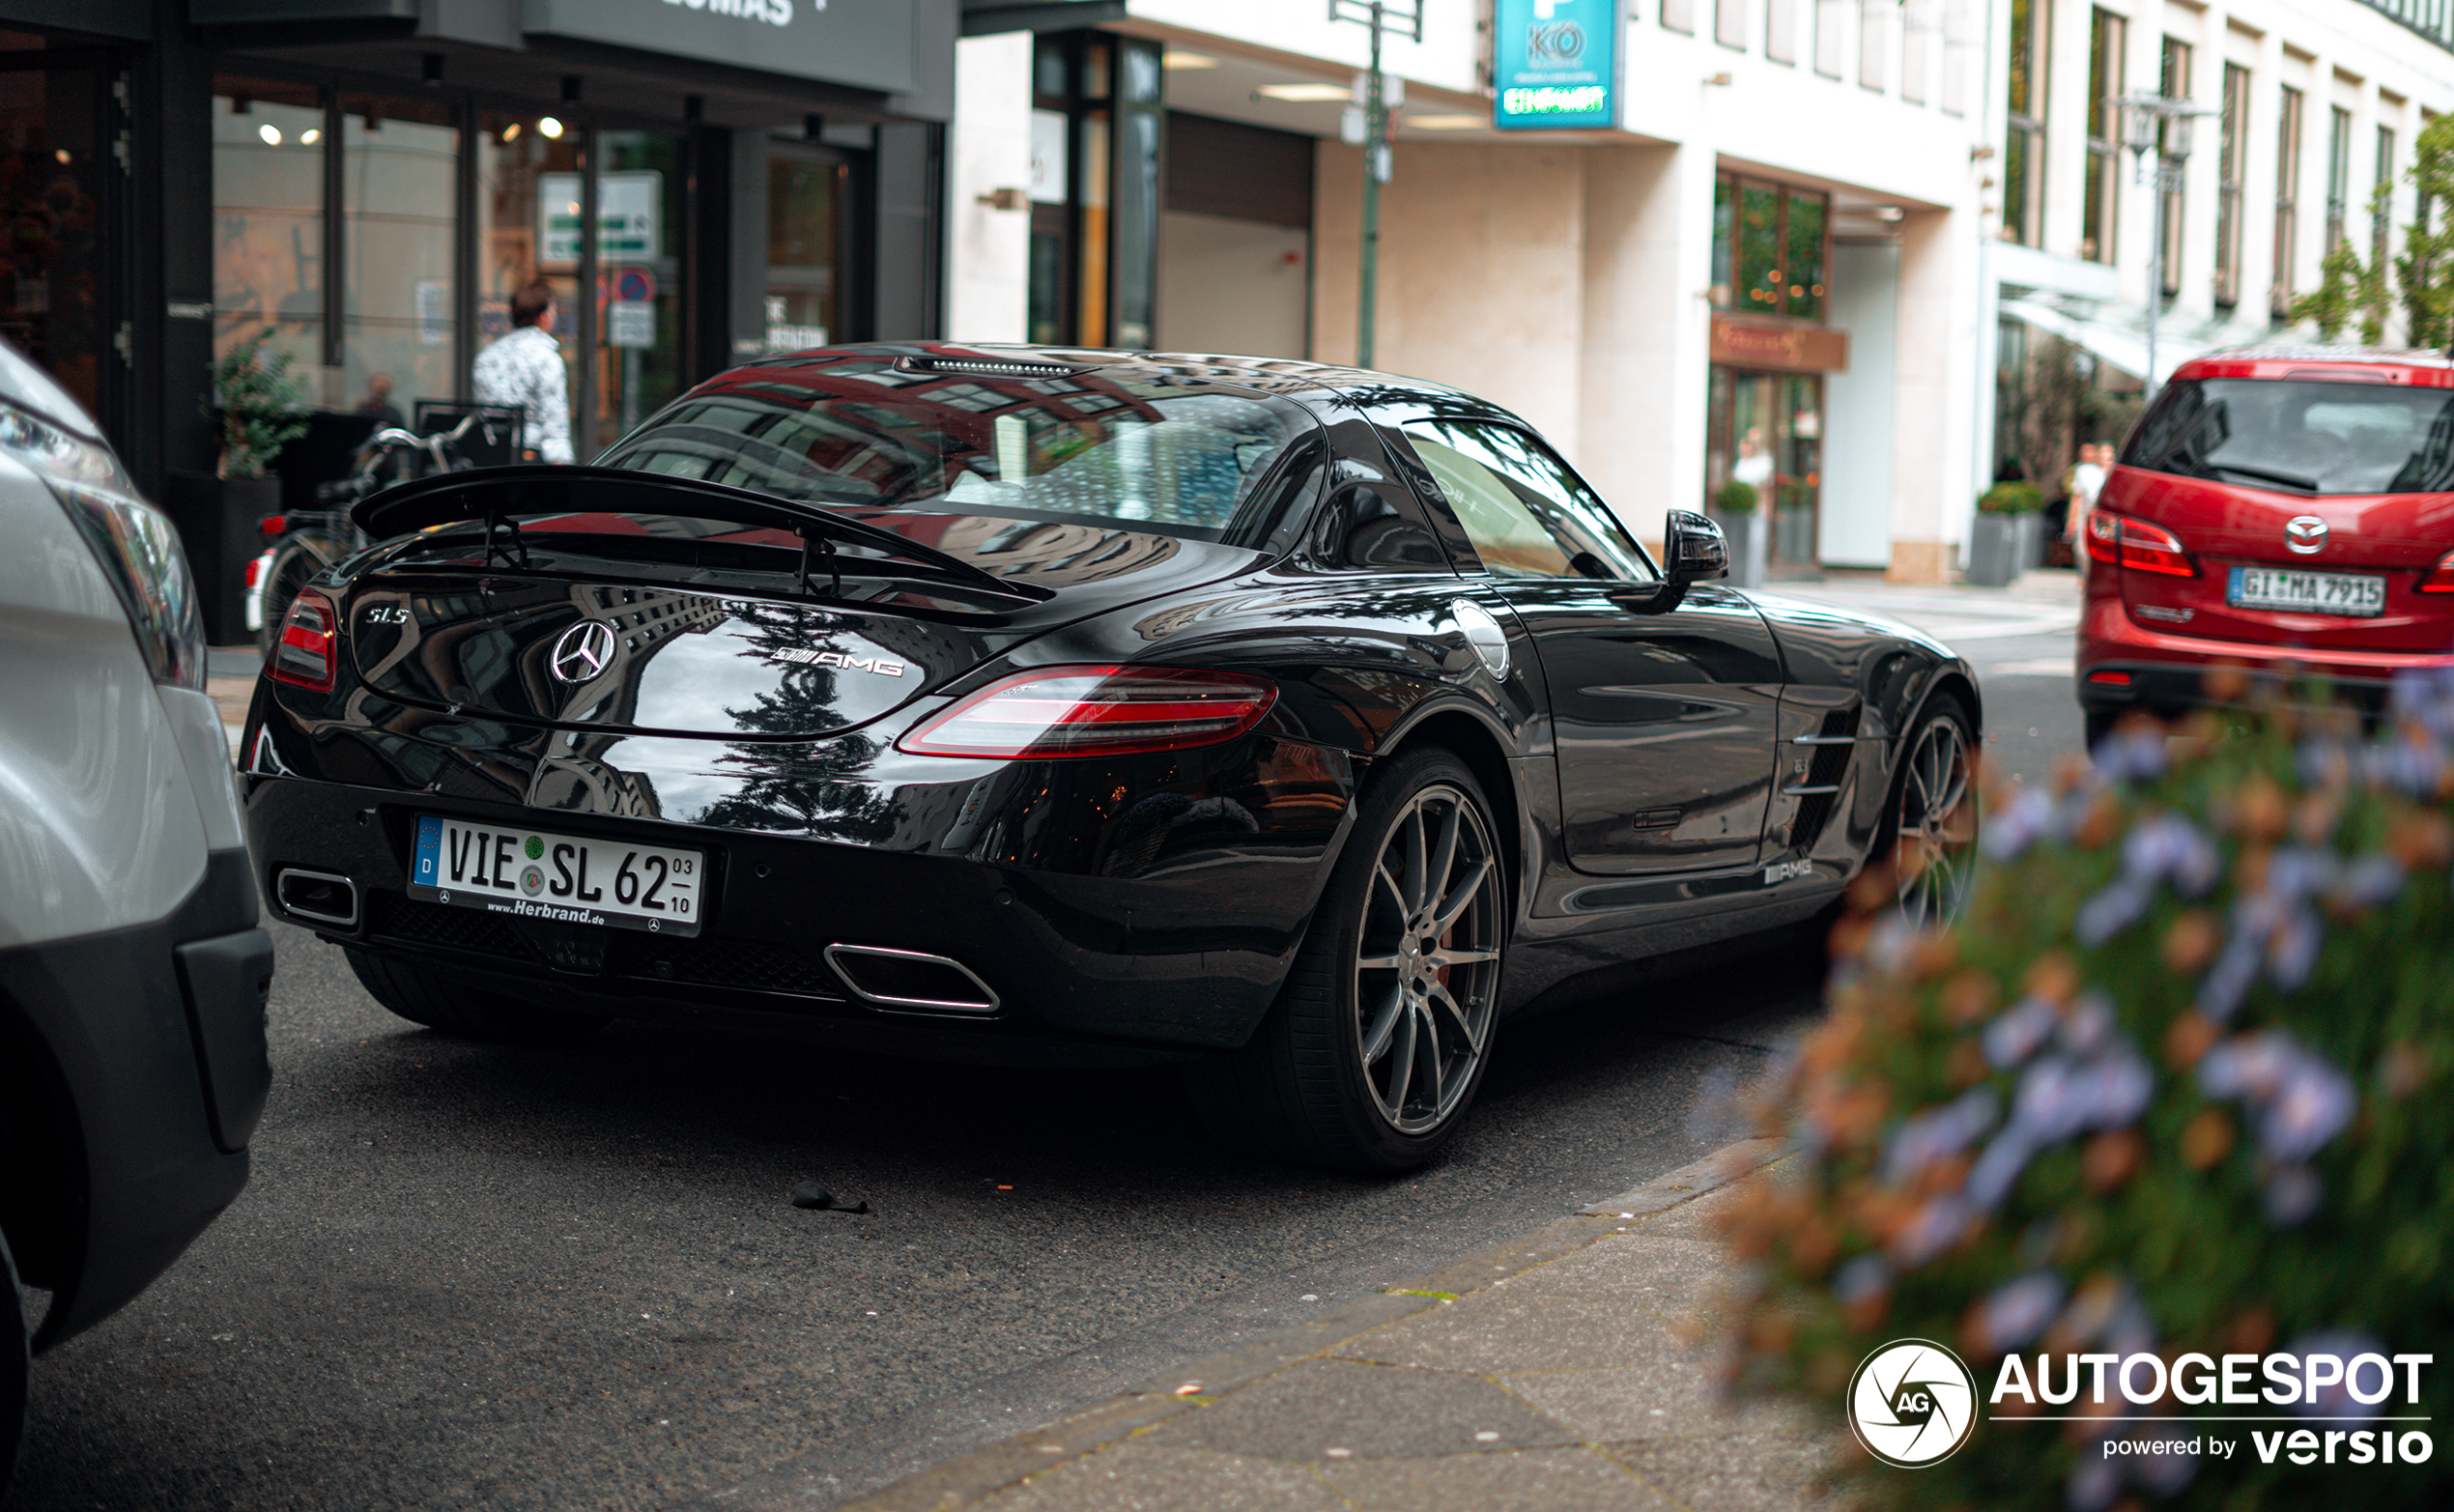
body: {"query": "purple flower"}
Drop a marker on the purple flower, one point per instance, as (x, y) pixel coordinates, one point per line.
(2059, 1097)
(2089, 1027)
(2132, 756)
(2016, 1033)
(2370, 882)
(2093, 1484)
(1931, 1229)
(2292, 954)
(2310, 1105)
(2293, 1194)
(2169, 845)
(1861, 1278)
(2021, 823)
(2122, 903)
(2229, 980)
(2018, 1310)
(1990, 1178)
(2299, 872)
(1938, 1132)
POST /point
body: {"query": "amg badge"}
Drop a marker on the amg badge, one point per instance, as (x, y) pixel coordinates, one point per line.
(1788, 869)
(882, 665)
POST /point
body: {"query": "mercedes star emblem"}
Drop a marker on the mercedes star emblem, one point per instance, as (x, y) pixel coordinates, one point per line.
(2306, 534)
(585, 649)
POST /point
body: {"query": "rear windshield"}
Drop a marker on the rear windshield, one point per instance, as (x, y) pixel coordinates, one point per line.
(1193, 459)
(2301, 435)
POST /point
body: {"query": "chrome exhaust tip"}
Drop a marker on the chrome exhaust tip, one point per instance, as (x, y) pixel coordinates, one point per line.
(320, 896)
(912, 982)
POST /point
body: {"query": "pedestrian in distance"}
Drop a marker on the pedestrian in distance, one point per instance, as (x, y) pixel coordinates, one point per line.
(524, 370)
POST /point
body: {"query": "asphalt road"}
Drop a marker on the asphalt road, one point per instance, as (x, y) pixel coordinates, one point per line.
(469, 1276)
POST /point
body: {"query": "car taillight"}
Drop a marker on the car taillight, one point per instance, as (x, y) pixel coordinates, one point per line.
(1093, 711)
(2137, 544)
(2441, 578)
(305, 653)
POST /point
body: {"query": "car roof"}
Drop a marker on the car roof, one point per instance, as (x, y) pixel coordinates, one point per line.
(1318, 384)
(2420, 367)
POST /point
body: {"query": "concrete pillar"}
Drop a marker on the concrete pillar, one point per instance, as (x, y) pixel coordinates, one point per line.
(989, 250)
(1647, 252)
(1932, 426)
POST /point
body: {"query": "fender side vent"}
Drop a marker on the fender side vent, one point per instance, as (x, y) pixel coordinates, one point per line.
(1835, 745)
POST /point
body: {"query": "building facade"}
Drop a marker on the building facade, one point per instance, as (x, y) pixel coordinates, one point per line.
(1766, 270)
(2307, 109)
(363, 184)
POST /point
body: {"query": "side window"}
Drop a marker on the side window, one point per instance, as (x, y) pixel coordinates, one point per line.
(1528, 515)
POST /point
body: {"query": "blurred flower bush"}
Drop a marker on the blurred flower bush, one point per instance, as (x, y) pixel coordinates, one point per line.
(2178, 1081)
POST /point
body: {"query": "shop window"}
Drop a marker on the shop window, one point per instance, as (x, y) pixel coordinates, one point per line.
(2287, 200)
(54, 180)
(2024, 127)
(637, 361)
(2172, 206)
(268, 239)
(528, 223)
(400, 174)
(1769, 248)
(2231, 163)
(805, 248)
(2099, 209)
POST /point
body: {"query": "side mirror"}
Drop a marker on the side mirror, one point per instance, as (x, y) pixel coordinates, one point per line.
(1693, 549)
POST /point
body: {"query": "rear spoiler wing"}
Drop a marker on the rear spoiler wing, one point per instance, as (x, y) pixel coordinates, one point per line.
(497, 497)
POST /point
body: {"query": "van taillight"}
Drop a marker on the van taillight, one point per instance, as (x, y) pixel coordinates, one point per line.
(2135, 544)
(305, 653)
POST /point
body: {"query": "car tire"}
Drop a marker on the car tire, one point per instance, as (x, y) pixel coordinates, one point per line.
(15, 1362)
(1373, 1053)
(1929, 822)
(423, 997)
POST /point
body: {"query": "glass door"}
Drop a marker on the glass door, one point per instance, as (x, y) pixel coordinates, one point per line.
(57, 187)
(1766, 430)
(638, 281)
(807, 191)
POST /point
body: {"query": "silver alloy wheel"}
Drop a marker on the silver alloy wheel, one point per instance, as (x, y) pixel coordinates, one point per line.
(1937, 823)
(1426, 972)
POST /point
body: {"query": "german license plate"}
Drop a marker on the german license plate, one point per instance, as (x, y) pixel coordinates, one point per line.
(568, 878)
(2307, 592)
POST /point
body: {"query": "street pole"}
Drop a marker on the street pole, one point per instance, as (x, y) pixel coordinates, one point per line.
(2157, 125)
(1376, 145)
(1404, 18)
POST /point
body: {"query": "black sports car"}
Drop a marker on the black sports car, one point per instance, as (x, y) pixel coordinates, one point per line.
(1045, 705)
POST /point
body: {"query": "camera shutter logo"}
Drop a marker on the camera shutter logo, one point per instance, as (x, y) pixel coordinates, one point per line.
(582, 652)
(1912, 1403)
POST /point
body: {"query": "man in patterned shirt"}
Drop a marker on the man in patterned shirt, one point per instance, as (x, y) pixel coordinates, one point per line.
(524, 371)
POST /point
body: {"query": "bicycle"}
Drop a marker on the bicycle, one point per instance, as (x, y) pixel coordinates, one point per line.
(305, 542)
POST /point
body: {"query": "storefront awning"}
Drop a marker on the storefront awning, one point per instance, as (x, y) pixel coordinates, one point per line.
(2104, 333)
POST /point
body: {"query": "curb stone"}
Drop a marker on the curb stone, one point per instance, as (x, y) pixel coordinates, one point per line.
(974, 1476)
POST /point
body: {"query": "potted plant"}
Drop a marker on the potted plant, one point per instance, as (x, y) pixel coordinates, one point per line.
(1734, 509)
(1794, 522)
(256, 407)
(2172, 1095)
(1998, 541)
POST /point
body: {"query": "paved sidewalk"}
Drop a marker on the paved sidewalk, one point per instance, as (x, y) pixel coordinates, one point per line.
(2039, 602)
(1570, 1370)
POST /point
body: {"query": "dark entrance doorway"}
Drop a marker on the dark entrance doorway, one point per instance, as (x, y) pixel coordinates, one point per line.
(64, 207)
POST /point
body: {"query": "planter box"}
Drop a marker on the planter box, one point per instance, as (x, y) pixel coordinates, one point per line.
(217, 526)
(1746, 534)
(1794, 535)
(1994, 544)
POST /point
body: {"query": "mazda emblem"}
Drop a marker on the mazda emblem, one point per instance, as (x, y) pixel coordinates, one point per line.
(2306, 534)
(582, 652)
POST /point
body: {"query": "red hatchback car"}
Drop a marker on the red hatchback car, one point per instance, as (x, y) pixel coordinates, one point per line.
(2289, 510)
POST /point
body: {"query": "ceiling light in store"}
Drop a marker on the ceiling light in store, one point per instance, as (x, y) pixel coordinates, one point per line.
(311, 136)
(62, 155)
(1445, 123)
(1306, 94)
(1179, 58)
(1889, 213)
(270, 133)
(550, 127)
(511, 132)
